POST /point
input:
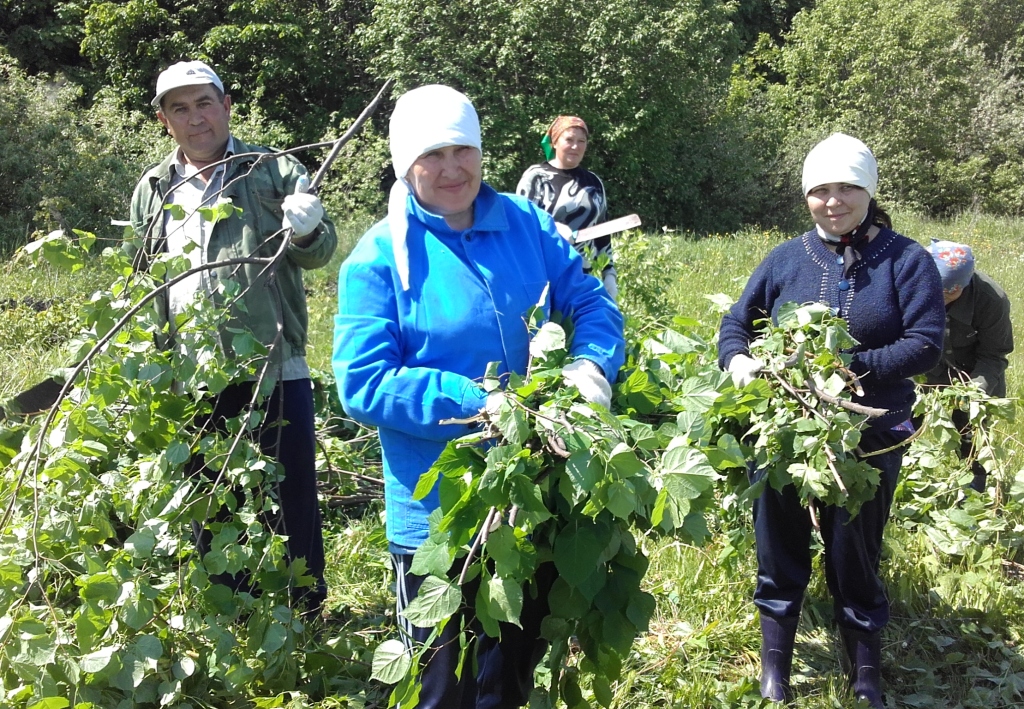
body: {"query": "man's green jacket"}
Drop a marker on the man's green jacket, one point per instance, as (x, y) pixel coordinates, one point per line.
(258, 190)
(979, 336)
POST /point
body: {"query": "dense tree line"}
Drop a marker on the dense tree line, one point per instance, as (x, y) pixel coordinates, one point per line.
(700, 108)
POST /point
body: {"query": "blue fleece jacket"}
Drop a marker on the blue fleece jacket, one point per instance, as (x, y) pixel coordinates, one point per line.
(891, 300)
(405, 360)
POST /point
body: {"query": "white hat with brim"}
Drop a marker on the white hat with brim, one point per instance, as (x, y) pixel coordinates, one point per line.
(192, 73)
(840, 158)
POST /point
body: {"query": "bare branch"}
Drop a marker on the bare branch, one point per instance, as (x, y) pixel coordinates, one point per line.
(869, 411)
(476, 543)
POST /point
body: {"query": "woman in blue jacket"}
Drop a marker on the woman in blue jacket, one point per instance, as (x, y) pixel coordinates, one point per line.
(890, 293)
(427, 298)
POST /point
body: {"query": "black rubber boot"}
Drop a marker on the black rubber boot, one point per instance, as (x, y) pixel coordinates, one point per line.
(980, 481)
(777, 638)
(864, 653)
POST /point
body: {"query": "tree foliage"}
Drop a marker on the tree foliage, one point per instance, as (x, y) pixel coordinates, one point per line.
(63, 166)
(918, 83)
(647, 77)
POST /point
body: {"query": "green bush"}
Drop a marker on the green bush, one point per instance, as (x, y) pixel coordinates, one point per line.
(940, 108)
(62, 165)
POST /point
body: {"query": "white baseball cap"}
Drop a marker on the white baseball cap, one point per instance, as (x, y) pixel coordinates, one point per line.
(185, 74)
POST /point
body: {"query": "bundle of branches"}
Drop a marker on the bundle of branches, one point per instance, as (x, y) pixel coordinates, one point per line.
(548, 478)
(808, 433)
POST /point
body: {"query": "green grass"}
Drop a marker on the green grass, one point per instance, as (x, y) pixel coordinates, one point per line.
(957, 622)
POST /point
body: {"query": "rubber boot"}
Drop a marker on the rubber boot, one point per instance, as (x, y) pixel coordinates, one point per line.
(777, 638)
(864, 652)
(980, 481)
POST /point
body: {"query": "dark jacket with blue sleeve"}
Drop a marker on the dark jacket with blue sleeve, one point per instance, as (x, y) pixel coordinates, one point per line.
(891, 300)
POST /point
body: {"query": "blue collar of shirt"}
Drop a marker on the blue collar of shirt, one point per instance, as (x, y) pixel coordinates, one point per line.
(488, 213)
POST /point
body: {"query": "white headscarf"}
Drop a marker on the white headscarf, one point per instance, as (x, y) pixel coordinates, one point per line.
(840, 158)
(424, 119)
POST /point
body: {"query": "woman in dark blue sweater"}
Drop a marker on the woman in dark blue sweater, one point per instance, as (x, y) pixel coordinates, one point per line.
(889, 291)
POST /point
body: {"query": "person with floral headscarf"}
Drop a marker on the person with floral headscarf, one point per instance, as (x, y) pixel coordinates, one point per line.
(979, 336)
(426, 300)
(887, 289)
(574, 196)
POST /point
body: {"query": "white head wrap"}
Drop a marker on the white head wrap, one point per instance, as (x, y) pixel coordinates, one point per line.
(840, 158)
(424, 119)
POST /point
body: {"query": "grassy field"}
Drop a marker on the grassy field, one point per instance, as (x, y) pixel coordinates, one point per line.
(958, 619)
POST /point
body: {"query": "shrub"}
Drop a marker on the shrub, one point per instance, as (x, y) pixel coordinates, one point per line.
(63, 166)
(914, 82)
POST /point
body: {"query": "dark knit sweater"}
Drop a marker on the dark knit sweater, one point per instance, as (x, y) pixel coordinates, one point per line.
(891, 300)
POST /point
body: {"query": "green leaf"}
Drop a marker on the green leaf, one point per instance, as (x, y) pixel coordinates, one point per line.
(549, 339)
(602, 691)
(727, 453)
(391, 662)
(623, 463)
(222, 209)
(504, 599)
(177, 452)
(176, 211)
(185, 667)
(148, 647)
(696, 395)
(641, 609)
(584, 471)
(621, 499)
(617, 631)
(503, 548)
(565, 601)
(433, 557)
(51, 703)
(137, 612)
(453, 462)
(274, 639)
(99, 587)
(216, 562)
(577, 549)
(98, 660)
(437, 600)
(141, 543)
(514, 426)
(642, 394)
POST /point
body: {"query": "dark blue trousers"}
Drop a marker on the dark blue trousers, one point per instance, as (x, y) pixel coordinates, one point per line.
(503, 676)
(853, 547)
(293, 445)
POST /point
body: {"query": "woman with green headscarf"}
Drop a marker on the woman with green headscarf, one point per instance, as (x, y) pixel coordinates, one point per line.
(574, 196)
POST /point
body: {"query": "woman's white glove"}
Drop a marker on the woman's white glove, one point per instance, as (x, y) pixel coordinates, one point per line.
(493, 404)
(744, 369)
(588, 378)
(611, 284)
(302, 212)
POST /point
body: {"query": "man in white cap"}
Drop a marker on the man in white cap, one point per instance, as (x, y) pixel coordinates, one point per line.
(979, 336)
(210, 165)
(426, 300)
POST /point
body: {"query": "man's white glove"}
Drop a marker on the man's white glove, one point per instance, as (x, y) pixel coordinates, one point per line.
(611, 284)
(302, 212)
(743, 369)
(589, 380)
(566, 232)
